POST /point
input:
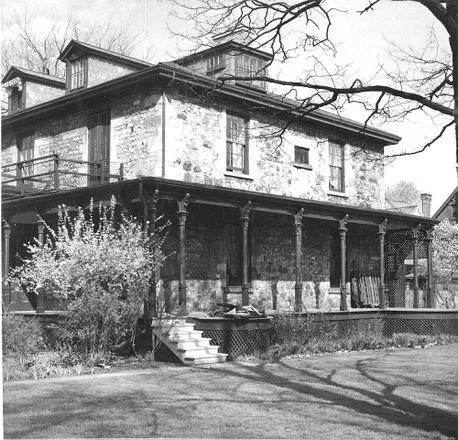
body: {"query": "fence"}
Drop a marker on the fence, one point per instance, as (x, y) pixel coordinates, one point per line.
(237, 339)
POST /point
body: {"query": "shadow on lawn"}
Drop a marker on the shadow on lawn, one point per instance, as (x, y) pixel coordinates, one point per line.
(388, 406)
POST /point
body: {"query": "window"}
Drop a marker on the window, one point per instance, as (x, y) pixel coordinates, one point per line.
(237, 144)
(15, 99)
(25, 149)
(336, 164)
(301, 155)
(99, 146)
(252, 67)
(77, 73)
(215, 63)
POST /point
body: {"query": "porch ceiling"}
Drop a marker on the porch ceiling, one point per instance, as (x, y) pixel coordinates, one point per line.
(131, 190)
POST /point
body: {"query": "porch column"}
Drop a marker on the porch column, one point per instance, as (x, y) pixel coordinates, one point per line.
(298, 284)
(430, 299)
(151, 212)
(6, 257)
(343, 264)
(416, 290)
(182, 215)
(41, 239)
(381, 238)
(245, 218)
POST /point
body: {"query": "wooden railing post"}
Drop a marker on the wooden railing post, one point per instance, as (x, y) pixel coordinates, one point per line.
(298, 265)
(343, 263)
(381, 238)
(56, 171)
(102, 172)
(19, 172)
(121, 172)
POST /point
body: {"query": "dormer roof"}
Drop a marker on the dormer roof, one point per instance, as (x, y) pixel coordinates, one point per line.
(79, 48)
(225, 47)
(39, 77)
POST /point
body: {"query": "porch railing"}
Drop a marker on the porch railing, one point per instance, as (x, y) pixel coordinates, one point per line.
(54, 173)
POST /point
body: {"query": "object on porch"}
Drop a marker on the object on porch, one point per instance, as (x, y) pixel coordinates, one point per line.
(234, 311)
(364, 290)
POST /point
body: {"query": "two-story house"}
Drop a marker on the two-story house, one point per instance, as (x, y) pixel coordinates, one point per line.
(270, 205)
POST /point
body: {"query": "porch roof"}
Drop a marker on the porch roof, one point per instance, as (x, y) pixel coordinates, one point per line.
(131, 190)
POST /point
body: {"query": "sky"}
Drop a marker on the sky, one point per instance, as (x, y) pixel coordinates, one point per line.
(363, 42)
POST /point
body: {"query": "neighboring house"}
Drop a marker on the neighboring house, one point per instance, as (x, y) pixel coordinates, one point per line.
(251, 219)
(448, 209)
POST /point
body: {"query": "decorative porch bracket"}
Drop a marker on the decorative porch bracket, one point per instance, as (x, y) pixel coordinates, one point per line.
(343, 263)
(430, 297)
(298, 266)
(150, 207)
(381, 238)
(182, 215)
(416, 289)
(41, 238)
(245, 219)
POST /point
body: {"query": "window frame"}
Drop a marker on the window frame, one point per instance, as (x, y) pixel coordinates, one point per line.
(230, 145)
(220, 65)
(241, 70)
(19, 101)
(27, 170)
(303, 150)
(70, 74)
(341, 188)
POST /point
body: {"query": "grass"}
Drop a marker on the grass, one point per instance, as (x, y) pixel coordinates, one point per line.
(389, 394)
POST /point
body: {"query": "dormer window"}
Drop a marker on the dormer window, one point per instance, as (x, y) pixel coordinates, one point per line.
(249, 66)
(15, 101)
(77, 73)
(215, 63)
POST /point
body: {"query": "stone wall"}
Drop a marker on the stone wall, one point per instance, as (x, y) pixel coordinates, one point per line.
(196, 151)
(38, 93)
(101, 70)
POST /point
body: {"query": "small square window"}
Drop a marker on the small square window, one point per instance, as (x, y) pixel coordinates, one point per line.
(301, 155)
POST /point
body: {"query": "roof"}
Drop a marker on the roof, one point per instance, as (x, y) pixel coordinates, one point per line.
(448, 201)
(224, 47)
(224, 196)
(173, 73)
(401, 206)
(40, 77)
(102, 53)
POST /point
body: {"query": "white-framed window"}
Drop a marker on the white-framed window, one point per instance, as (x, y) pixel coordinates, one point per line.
(237, 144)
(77, 73)
(249, 66)
(336, 166)
(215, 63)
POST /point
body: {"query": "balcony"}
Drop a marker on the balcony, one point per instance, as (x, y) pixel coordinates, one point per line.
(53, 173)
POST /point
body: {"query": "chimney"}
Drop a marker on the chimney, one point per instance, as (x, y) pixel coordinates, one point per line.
(426, 204)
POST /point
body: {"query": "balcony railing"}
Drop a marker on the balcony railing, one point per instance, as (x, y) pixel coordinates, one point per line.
(52, 174)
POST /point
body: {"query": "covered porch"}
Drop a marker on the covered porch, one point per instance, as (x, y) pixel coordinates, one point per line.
(277, 253)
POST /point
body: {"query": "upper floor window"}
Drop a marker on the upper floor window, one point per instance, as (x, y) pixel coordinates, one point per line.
(237, 144)
(77, 73)
(215, 63)
(301, 155)
(336, 164)
(15, 101)
(25, 150)
(249, 66)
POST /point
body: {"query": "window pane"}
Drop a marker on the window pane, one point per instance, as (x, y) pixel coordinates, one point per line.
(301, 154)
(236, 143)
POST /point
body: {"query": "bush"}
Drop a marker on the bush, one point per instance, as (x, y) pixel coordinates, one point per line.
(21, 336)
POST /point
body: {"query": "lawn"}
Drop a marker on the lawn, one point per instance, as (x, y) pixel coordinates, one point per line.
(408, 394)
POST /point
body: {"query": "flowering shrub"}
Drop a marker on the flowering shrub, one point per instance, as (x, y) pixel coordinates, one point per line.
(100, 266)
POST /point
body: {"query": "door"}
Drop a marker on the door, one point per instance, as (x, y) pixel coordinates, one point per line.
(99, 147)
(25, 148)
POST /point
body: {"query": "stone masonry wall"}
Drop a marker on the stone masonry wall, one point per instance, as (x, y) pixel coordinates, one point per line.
(196, 151)
(38, 93)
(101, 70)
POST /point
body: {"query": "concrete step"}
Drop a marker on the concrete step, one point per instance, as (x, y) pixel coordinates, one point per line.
(199, 352)
(183, 336)
(185, 327)
(218, 358)
(193, 343)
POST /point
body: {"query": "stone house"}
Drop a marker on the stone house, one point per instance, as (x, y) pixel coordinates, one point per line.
(280, 225)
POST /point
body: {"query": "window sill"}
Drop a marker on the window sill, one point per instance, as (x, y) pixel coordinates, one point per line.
(304, 166)
(337, 194)
(238, 175)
